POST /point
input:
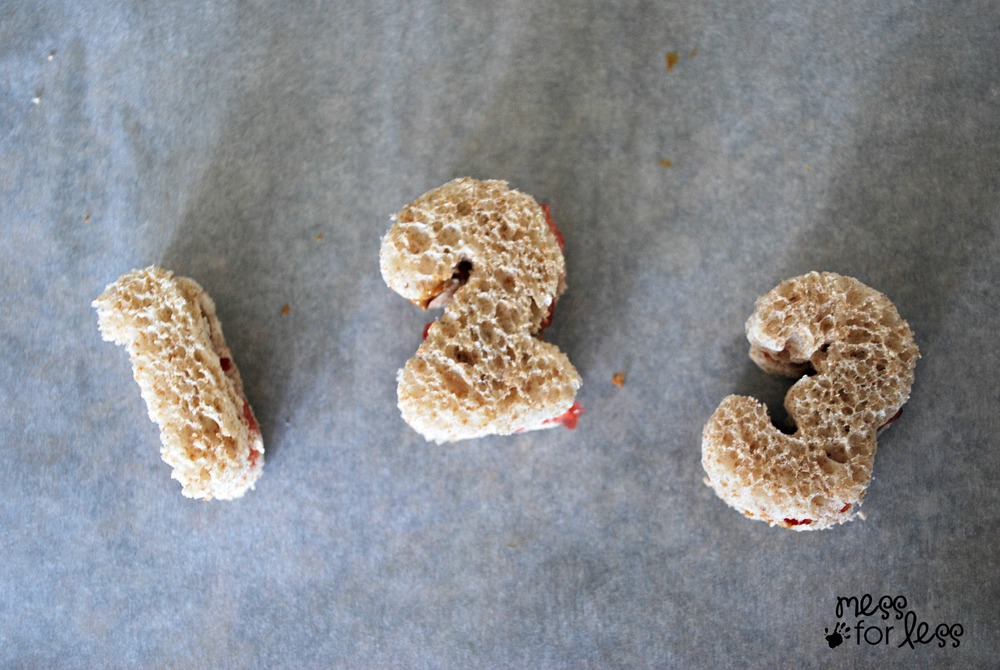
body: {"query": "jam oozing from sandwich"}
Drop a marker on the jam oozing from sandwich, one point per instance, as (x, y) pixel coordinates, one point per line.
(846, 507)
(547, 321)
(553, 227)
(254, 428)
(891, 418)
(226, 364)
(249, 418)
(797, 522)
(569, 418)
(427, 328)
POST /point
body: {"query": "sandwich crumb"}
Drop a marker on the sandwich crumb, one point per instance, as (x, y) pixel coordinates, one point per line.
(319, 237)
(664, 162)
(672, 58)
(285, 309)
(618, 379)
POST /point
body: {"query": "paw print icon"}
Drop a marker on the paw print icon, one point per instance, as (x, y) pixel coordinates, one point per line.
(836, 638)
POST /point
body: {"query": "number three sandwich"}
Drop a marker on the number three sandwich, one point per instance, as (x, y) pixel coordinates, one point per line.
(854, 356)
(492, 257)
(188, 379)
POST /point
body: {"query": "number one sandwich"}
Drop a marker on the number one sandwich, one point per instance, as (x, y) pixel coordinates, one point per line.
(188, 379)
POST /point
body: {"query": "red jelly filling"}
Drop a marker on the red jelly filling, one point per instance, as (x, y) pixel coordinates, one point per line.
(547, 321)
(254, 455)
(248, 416)
(570, 417)
(226, 363)
(552, 226)
(796, 522)
(891, 419)
(427, 329)
(846, 507)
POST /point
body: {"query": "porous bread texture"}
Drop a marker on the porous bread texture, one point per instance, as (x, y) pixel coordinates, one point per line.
(483, 368)
(863, 355)
(188, 379)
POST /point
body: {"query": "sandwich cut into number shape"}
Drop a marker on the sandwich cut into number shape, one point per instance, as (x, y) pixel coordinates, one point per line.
(188, 379)
(855, 356)
(492, 257)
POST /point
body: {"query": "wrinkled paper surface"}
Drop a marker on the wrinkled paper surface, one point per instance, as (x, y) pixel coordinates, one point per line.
(262, 148)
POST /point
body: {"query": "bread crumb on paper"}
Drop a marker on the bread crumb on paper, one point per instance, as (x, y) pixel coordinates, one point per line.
(618, 379)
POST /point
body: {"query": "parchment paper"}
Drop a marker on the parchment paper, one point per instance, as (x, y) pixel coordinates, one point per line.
(261, 148)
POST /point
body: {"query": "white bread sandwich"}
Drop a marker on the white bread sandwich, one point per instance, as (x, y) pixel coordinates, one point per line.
(861, 355)
(188, 379)
(490, 256)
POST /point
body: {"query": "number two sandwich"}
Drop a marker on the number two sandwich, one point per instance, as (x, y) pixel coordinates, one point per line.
(490, 256)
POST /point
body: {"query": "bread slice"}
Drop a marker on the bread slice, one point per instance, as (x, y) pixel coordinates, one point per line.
(188, 379)
(488, 253)
(862, 355)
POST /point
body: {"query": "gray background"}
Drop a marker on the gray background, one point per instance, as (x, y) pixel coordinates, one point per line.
(219, 139)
